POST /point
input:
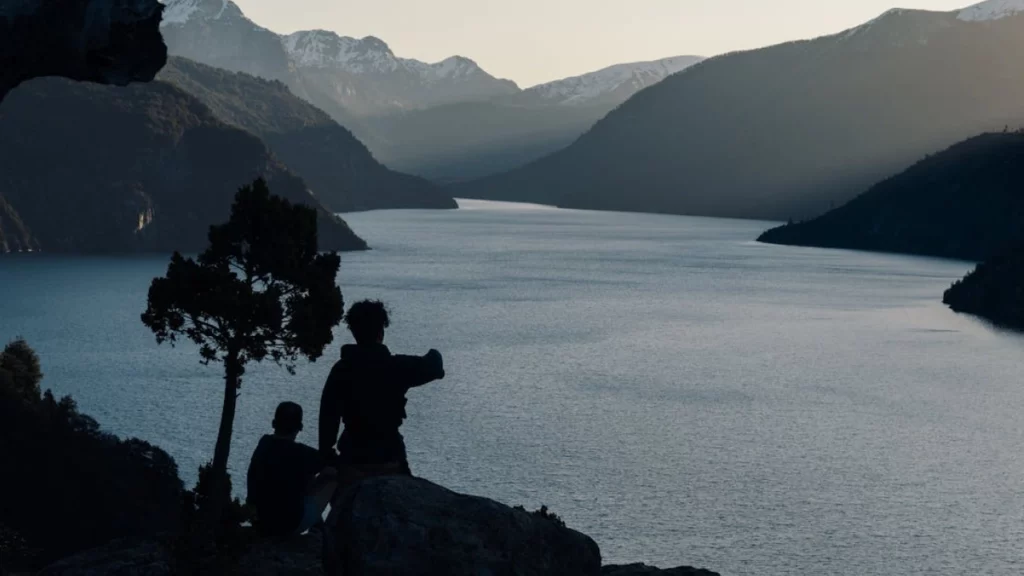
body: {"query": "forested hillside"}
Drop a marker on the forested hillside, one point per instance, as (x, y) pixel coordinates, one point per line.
(90, 168)
(338, 168)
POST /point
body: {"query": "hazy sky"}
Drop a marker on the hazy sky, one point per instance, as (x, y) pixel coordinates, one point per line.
(533, 41)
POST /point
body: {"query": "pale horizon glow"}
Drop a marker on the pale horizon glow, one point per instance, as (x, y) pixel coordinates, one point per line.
(536, 41)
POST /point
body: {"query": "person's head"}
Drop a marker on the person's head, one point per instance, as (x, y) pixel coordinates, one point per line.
(288, 419)
(367, 321)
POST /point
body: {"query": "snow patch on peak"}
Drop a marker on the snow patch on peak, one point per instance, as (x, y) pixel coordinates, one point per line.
(991, 10)
(181, 11)
(178, 11)
(326, 49)
(454, 67)
(871, 23)
(636, 76)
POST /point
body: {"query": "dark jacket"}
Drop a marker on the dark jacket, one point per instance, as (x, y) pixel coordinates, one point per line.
(366, 390)
(279, 475)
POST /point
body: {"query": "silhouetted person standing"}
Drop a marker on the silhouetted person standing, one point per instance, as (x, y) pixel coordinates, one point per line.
(366, 391)
(290, 484)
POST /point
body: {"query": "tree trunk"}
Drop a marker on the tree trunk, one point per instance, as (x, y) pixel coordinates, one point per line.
(219, 472)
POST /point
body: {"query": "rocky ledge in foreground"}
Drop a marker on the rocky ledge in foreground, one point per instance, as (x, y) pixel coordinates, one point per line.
(401, 526)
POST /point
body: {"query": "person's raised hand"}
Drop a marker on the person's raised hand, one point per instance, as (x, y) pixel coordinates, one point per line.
(435, 357)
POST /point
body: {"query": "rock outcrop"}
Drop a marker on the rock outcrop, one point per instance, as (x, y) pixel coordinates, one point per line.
(106, 41)
(406, 526)
(298, 556)
(396, 525)
(119, 558)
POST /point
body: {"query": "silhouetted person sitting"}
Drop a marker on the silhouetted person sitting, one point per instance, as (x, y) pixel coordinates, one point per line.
(290, 484)
(366, 390)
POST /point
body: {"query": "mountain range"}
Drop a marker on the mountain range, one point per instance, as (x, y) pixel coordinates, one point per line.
(449, 120)
(339, 169)
(473, 139)
(790, 130)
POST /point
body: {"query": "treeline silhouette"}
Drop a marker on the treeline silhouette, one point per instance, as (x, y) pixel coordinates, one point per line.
(66, 485)
(994, 290)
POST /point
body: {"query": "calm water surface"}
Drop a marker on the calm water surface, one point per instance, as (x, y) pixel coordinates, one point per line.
(677, 391)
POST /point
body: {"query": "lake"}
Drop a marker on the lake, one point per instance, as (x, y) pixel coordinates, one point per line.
(667, 385)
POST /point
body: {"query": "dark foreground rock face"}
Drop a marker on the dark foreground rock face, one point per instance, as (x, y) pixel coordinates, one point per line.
(645, 570)
(412, 527)
(119, 558)
(397, 526)
(106, 41)
(298, 556)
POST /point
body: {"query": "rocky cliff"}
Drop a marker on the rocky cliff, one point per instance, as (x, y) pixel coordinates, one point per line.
(106, 41)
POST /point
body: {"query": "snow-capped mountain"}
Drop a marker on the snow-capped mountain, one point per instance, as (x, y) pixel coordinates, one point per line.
(370, 55)
(365, 77)
(617, 82)
(347, 77)
(992, 10)
(180, 11)
(448, 119)
(217, 33)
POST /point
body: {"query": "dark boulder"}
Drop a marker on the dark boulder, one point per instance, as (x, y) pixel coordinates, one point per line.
(396, 525)
(297, 556)
(106, 41)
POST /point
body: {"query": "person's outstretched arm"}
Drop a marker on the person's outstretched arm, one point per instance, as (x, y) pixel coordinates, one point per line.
(330, 411)
(413, 371)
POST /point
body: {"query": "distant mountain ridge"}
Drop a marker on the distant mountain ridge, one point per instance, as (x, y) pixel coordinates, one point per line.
(473, 139)
(991, 10)
(615, 83)
(449, 120)
(789, 130)
(367, 79)
(363, 76)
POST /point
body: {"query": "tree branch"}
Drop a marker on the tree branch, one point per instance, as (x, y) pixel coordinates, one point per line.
(216, 333)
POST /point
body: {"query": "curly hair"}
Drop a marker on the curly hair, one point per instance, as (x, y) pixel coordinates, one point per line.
(367, 320)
